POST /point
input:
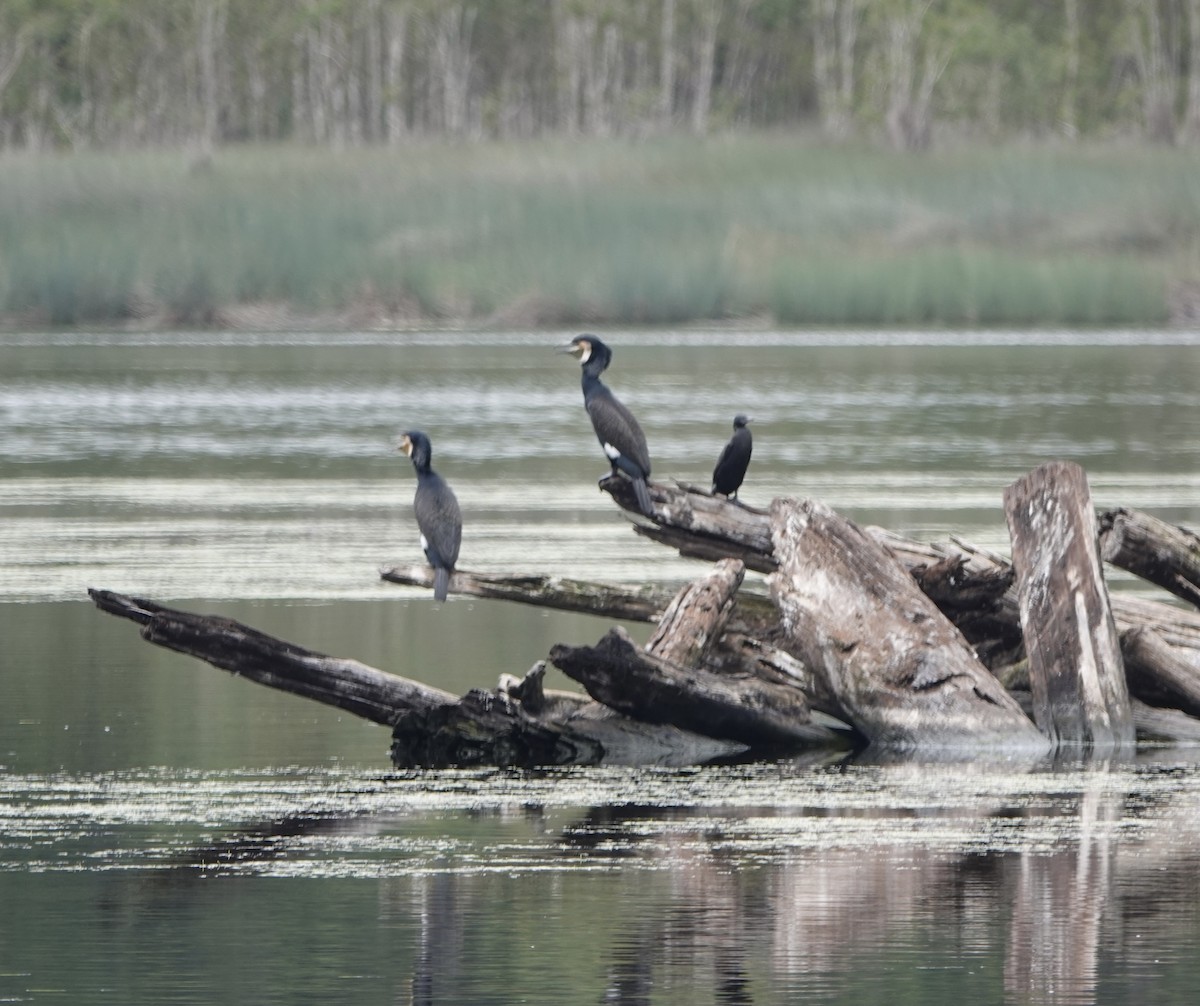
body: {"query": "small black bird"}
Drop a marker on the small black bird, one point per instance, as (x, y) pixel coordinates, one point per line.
(734, 459)
(438, 517)
(618, 432)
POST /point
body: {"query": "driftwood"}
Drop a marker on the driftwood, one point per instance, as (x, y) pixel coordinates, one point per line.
(622, 676)
(430, 727)
(974, 588)
(865, 637)
(1075, 667)
(638, 605)
(1164, 554)
(1159, 672)
(905, 676)
(346, 684)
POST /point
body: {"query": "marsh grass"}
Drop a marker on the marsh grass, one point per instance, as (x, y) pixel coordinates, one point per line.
(664, 231)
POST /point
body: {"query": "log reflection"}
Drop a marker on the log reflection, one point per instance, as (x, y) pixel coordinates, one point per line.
(1034, 891)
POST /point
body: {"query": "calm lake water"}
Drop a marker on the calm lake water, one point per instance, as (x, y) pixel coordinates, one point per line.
(169, 833)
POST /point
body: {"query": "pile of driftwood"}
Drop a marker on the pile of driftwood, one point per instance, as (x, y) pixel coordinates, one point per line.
(865, 639)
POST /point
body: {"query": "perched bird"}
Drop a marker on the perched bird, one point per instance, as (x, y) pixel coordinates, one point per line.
(618, 432)
(734, 459)
(438, 517)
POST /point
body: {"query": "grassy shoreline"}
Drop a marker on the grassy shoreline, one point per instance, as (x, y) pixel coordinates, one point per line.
(670, 231)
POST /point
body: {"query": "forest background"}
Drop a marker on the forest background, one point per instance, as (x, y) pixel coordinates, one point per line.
(393, 162)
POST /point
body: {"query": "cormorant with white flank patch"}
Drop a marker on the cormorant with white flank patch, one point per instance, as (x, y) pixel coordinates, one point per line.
(438, 517)
(735, 458)
(618, 432)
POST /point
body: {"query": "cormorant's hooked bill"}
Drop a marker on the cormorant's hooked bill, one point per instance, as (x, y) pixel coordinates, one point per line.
(619, 434)
(735, 458)
(436, 507)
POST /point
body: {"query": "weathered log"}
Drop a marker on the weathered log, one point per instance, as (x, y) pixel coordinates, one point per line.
(1075, 668)
(1160, 673)
(431, 728)
(641, 604)
(903, 673)
(346, 684)
(1165, 554)
(704, 518)
(622, 676)
(1164, 726)
(486, 728)
(741, 655)
(969, 589)
(697, 615)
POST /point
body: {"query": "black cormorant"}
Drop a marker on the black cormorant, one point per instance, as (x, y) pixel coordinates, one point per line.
(618, 432)
(731, 465)
(438, 516)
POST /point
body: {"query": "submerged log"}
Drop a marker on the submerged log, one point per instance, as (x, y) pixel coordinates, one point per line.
(1075, 668)
(903, 673)
(1165, 554)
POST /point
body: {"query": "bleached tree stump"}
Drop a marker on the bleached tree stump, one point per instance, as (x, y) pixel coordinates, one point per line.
(1076, 672)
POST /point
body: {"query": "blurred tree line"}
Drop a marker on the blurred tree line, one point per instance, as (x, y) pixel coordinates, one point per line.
(106, 73)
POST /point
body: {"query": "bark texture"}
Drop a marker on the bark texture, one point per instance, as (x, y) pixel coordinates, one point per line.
(1164, 554)
(905, 676)
(1075, 668)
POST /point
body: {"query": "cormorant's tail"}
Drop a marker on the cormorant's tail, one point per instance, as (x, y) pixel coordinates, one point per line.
(643, 496)
(441, 583)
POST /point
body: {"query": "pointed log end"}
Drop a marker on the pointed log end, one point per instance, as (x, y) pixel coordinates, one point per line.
(137, 609)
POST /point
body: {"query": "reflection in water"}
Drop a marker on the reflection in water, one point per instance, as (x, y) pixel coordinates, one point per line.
(758, 883)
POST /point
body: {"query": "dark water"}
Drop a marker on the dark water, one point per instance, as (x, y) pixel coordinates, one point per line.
(169, 833)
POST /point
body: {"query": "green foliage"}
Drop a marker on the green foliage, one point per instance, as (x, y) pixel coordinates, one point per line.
(120, 73)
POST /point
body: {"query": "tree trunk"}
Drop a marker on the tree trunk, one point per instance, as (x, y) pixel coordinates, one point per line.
(346, 684)
(641, 605)
(905, 676)
(1159, 673)
(1075, 667)
(1164, 554)
(1154, 52)
(395, 22)
(835, 31)
(909, 117)
(1191, 115)
(666, 79)
(704, 65)
(697, 615)
(1068, 110)
(852, 630)
(430, 728)
(757, 713)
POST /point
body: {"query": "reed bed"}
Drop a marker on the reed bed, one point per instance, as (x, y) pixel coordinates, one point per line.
(669, 230)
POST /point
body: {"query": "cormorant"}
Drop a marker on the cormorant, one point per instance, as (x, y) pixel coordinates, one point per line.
(438, 517)
(618, 432)
(735, 457)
